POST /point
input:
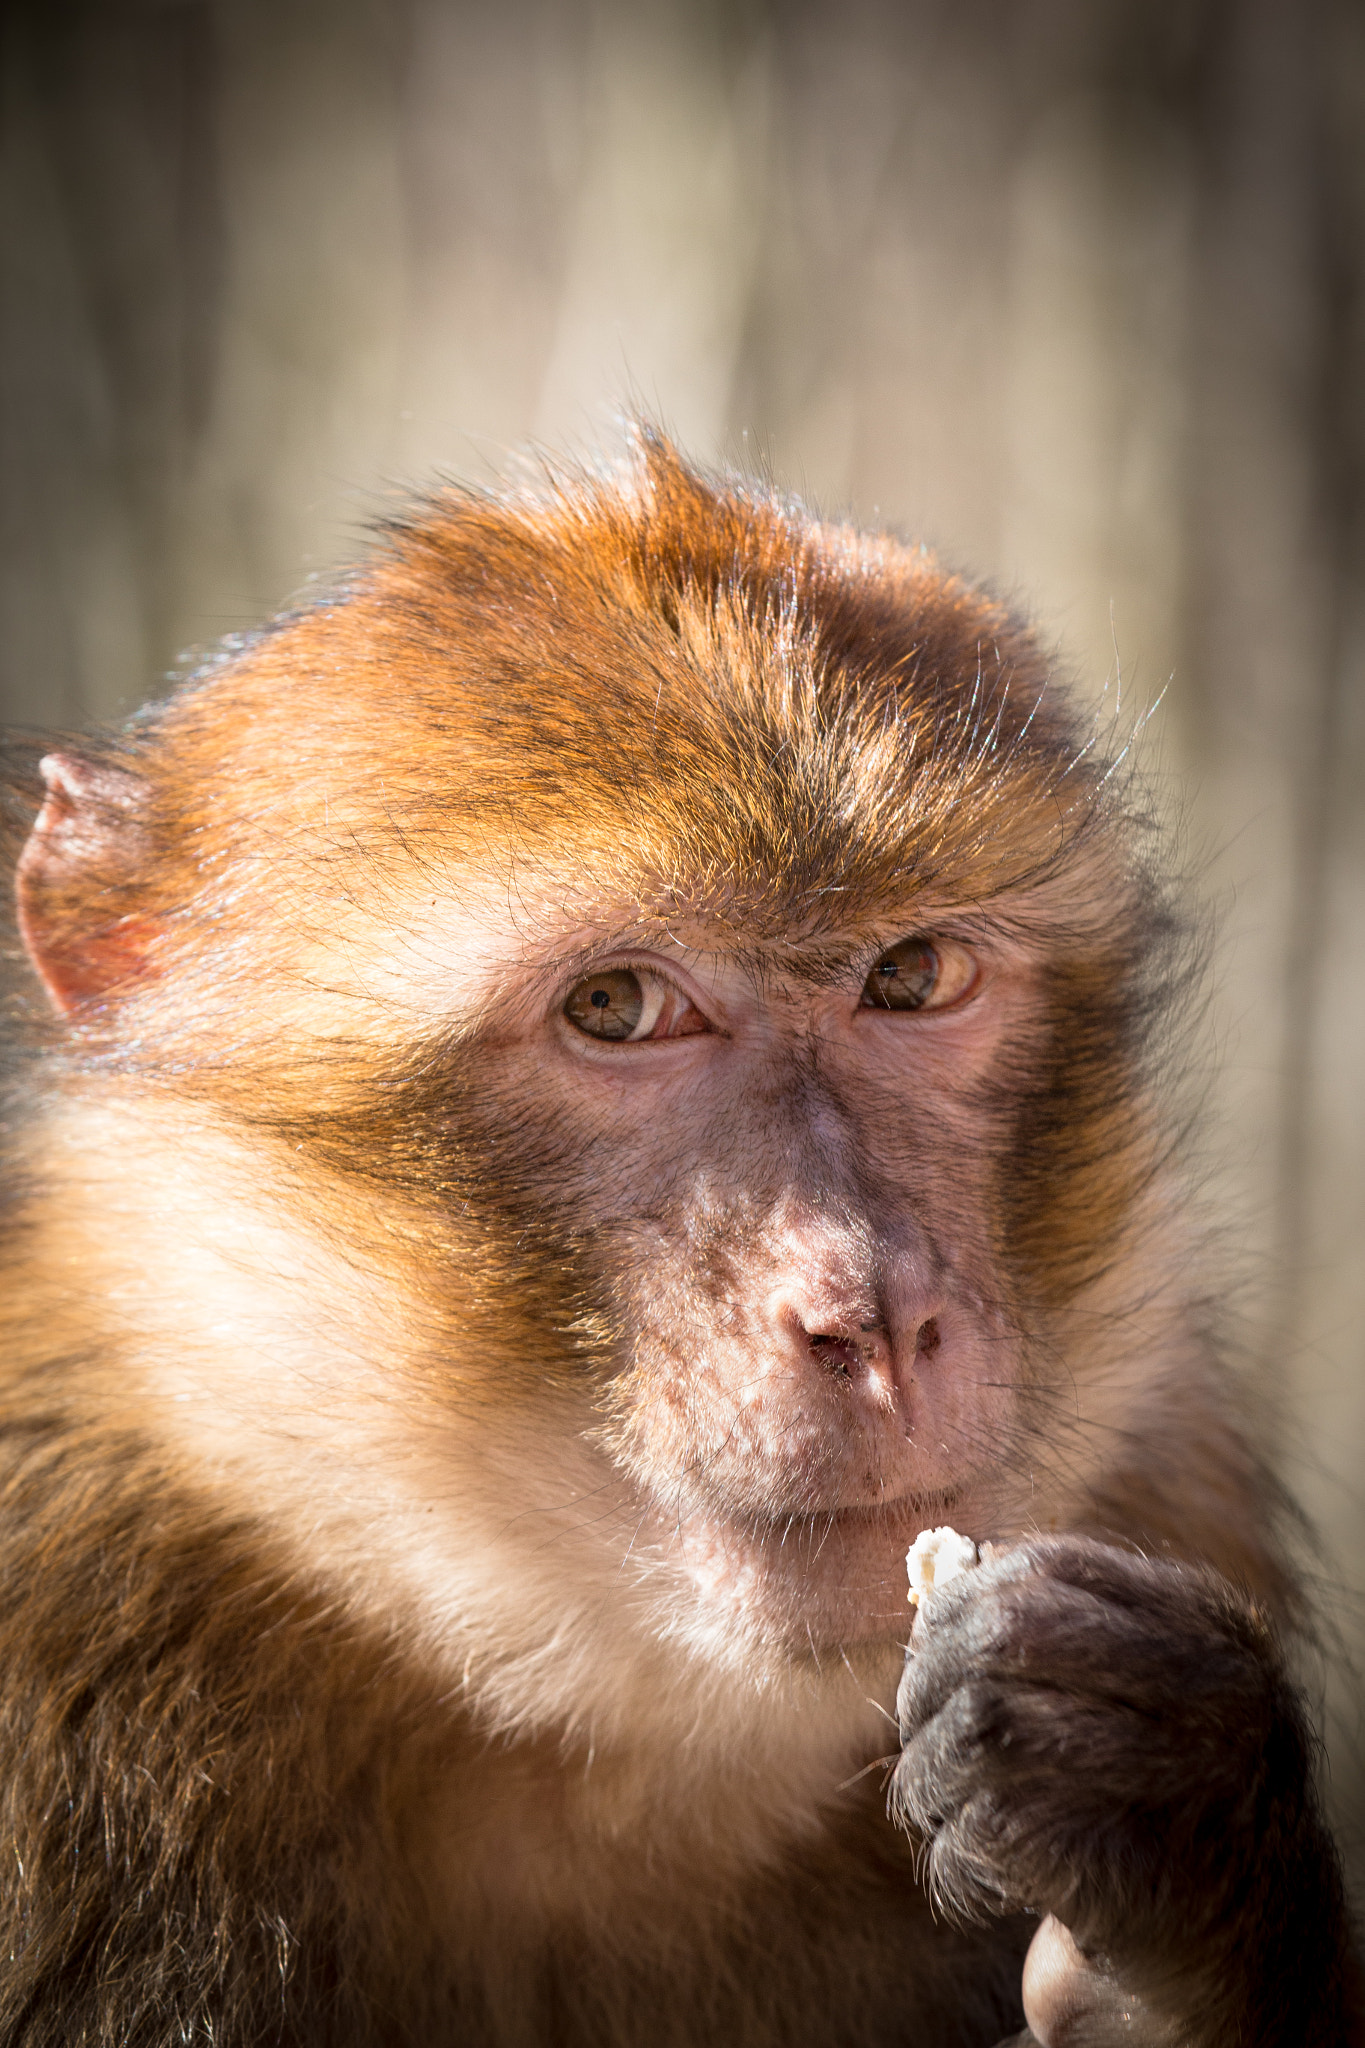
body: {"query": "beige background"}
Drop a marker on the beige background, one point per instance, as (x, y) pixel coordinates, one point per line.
(1072, 288)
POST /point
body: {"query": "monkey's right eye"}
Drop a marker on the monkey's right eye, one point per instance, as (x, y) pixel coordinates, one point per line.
(624, 1005)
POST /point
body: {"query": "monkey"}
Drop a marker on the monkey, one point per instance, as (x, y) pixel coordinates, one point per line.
(568, 1096)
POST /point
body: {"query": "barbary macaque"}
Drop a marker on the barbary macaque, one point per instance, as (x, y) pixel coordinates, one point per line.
(571, 1097)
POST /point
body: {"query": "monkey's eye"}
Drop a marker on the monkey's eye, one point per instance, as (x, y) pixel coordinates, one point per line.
(919, 974)
(627, 1003)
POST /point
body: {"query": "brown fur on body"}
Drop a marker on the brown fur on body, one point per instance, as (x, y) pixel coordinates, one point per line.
(354, 1687)
(214, 1780)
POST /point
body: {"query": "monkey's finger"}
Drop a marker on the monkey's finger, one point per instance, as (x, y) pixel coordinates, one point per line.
(1084, 1645)
(1017, 1631)
(1127, 1578)
(941, 1762)
(966, 1881)
(1017, 1745)
(1079, 1649)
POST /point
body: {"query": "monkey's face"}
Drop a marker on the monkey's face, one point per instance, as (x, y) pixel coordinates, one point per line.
(669, 995)
(766, 1183)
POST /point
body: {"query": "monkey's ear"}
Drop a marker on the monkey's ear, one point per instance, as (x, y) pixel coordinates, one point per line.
(73, 881)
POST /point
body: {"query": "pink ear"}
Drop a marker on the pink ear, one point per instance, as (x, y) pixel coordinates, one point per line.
(85, 843)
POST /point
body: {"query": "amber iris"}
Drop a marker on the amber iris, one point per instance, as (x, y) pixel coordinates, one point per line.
(904, 978)
(606, 1005)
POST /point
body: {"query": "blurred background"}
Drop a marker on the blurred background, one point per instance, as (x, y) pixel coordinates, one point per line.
(1073, 289)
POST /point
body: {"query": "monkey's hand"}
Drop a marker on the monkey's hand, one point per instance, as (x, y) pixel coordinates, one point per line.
(1115, 1743)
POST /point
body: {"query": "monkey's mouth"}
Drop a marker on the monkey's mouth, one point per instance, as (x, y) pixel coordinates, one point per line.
(908, 1511)
(816, 1580)
(916, 1508)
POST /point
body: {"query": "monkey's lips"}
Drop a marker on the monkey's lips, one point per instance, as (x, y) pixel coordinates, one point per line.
(813, 1582)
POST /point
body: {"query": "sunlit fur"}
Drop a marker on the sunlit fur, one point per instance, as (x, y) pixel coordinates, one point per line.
(350, 1692)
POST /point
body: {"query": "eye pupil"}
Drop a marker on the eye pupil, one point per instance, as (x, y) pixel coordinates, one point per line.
(599, 999)
(887, 967)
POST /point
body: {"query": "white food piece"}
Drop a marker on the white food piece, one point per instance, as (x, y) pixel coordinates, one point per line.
(935, 1556)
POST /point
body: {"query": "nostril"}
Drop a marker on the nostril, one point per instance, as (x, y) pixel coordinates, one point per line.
(930, 1337)
(837, 1354)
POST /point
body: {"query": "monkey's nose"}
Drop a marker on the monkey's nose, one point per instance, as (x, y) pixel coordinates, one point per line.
(842, 1312)
(863, 1350)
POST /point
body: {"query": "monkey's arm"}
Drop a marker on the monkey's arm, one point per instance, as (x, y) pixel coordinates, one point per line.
(1115, 1742)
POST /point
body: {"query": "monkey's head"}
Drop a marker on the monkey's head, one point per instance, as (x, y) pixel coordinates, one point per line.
(622, 1029)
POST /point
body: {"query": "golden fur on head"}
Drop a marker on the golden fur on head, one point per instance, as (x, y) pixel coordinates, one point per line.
(665, 677)
(646, 687)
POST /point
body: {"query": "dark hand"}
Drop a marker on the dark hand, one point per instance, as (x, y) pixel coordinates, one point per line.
(1115, 1742)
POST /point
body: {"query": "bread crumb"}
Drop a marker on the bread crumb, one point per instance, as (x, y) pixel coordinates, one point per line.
(935, 1556)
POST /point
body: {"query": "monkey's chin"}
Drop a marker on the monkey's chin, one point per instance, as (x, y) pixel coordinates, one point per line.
(810, 1584)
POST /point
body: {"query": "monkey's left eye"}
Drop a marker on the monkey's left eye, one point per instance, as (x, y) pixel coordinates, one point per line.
(919, 974)
(630, 1004)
